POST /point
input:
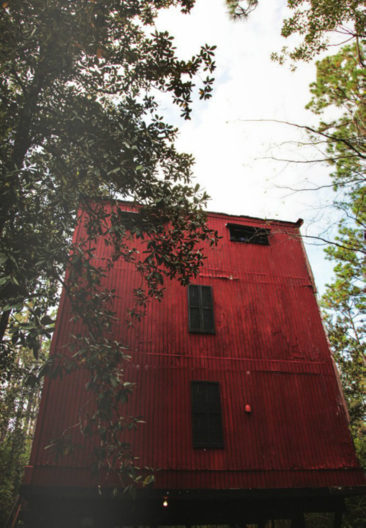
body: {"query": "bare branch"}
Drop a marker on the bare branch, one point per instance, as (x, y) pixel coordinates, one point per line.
(337, 244)
(318, 187)
(314, 131)
(333, 159)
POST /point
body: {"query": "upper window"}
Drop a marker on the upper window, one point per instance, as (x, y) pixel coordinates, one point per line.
(200, 305)
(249, 234)
(206, 415)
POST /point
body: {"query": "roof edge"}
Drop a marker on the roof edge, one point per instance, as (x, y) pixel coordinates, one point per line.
(299, 222)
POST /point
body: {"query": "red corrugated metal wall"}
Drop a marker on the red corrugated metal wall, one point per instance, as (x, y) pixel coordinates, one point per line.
(269, 351)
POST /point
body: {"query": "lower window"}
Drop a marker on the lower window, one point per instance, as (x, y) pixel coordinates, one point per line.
(206, 415)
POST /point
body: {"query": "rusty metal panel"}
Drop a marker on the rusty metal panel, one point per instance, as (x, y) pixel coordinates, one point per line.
(269, 352)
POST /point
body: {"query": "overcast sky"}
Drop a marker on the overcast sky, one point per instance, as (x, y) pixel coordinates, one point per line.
(233, 150)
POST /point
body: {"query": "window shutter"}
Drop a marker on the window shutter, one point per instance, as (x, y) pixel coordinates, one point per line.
(194, 308)
(206, 415)
(201, 316)
(207, 309)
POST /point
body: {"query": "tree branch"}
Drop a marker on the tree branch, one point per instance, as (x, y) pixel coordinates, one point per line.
(337, 244)
(314, 131)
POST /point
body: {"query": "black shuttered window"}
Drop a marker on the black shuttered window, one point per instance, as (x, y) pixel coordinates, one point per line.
(206, 415)
(200, 304)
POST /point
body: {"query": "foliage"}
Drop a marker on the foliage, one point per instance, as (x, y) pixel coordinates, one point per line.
(344, 305)
(313, 21)
(340, 84)
(345, 302)
(19, 398)
(80, 125)
(238, 9)
(78, 120)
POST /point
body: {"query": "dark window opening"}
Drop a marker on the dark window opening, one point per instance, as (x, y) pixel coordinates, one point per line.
(200, 303)
(206, 415)
(249, 234)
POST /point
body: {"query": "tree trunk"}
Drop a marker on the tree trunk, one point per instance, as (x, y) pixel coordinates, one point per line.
(4, 324)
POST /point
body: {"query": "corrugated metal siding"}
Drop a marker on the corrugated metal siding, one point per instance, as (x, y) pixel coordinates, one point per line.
(269, 351)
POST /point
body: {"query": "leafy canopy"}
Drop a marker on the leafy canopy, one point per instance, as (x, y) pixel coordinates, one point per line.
(79, 121)
(344, 307)
(79, 125)
(340, 85)
(313, 21)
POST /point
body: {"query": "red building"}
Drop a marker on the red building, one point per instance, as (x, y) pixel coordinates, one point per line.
(245, 418)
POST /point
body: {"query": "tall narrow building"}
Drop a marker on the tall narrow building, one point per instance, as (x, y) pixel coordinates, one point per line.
(245, 421)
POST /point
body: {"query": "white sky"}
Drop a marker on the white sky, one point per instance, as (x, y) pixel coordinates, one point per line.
(233, 154)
